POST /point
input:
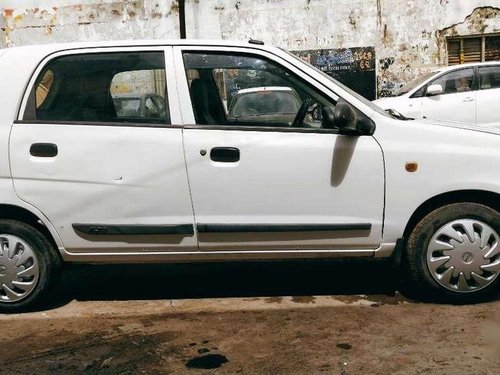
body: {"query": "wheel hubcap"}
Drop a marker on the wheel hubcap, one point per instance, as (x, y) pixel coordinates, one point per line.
(19, 269)
(464, 255)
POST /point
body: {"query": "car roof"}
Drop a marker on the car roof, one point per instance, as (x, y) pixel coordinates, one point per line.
(56, 47)
(467, 65)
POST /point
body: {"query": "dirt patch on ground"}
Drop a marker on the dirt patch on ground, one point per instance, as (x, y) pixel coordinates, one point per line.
(259, 332)
(395, 339)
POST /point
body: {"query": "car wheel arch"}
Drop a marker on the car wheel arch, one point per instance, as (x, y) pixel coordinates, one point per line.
(24, 215)
(487, 198)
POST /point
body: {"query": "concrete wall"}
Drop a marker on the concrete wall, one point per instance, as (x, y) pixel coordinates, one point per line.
(409, 36)
(49, 21)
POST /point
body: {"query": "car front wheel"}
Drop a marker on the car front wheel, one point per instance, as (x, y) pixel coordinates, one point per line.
(454, 253)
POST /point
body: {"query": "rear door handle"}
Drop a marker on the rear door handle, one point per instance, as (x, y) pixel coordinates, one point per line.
(225, 154)
(43, 150)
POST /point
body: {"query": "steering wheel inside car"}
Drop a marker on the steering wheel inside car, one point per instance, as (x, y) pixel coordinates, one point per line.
(301, 114)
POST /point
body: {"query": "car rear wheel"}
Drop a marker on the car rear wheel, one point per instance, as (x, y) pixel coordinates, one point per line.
(454, 253)
(28, 266)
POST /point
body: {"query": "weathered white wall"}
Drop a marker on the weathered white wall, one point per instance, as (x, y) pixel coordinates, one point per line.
(48, 21)
(409, 36)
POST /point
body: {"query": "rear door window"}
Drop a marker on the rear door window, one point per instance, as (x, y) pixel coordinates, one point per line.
(44, 87)
(489, 77)
(100, 88)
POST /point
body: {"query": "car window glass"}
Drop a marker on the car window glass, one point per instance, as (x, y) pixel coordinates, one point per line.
(102, 87)
(151, 110)
(43, 87)
(413, 84)
(160, 104)
(246, 90)
(126, 107)
(455, 82)
(489, 77)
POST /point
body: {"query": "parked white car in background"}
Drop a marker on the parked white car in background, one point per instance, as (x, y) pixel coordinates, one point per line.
(467, 93)
(343, 179)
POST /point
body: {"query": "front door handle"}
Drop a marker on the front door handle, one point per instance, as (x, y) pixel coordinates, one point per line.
(468, 99)
(225, 154)
(43, 150)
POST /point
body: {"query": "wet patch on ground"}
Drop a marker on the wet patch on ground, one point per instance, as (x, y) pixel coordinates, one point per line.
(207, 362)
(344, 346)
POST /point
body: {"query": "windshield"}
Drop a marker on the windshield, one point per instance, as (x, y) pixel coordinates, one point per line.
(413, 83)
(361, 98)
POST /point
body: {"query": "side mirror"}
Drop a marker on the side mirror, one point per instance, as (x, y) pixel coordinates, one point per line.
(347, 119)
(434, 90)
(344, 117)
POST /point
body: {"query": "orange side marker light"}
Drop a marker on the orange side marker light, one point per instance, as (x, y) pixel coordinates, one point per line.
(411, 167)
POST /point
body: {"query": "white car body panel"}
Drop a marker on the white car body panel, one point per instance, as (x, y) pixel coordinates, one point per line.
(460, 107)
(287, 178)
(447, 158)
(488, 99)
(106, 175)
(164, 177)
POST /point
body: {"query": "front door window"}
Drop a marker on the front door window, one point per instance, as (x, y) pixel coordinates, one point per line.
(455, 82)
(244, 90)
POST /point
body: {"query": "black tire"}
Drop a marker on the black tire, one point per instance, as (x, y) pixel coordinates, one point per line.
(49, 263)
(418, 280)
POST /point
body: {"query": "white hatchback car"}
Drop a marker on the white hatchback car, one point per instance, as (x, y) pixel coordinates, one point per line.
(467, 93)
(344, 179)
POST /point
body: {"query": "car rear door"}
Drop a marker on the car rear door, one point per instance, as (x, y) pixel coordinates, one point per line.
(488, 95)
(108, 183)
(257, 183)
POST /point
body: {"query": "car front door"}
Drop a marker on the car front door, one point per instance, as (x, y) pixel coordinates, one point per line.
(458, 100)
(109, 181)
(267, 177)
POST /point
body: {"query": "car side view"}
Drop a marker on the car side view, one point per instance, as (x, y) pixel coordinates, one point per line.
(462, 93)
(332, 176)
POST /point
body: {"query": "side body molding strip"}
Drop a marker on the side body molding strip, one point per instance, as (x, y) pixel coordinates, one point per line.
(115, 229)
(234, 228)
(111, 229)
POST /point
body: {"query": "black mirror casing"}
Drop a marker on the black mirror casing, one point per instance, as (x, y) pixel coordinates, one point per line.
(365, 126)
(351, 121)
(344, 116)
(327, 118)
